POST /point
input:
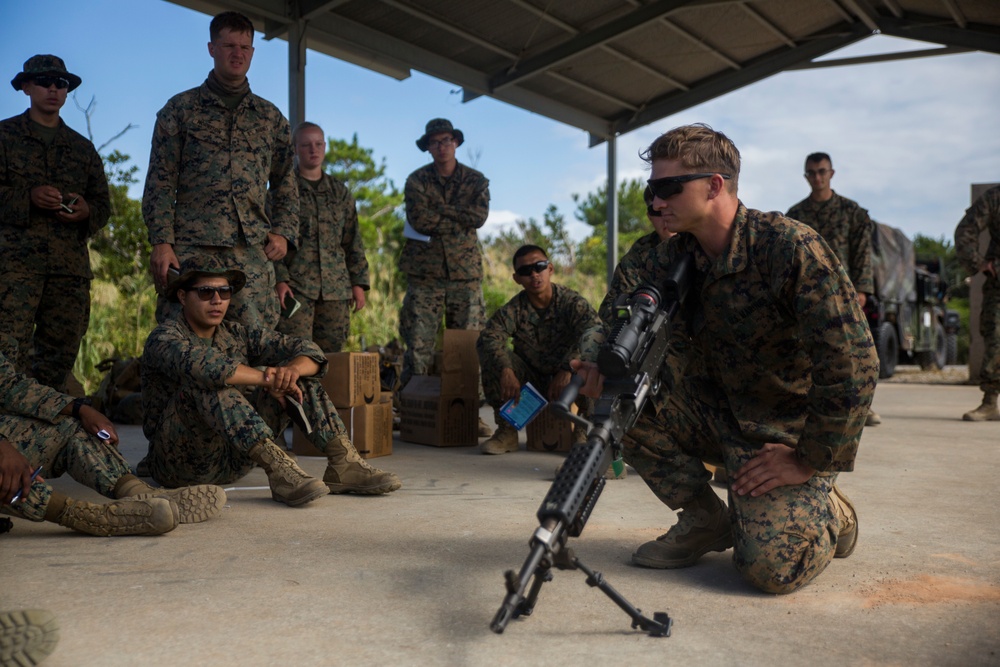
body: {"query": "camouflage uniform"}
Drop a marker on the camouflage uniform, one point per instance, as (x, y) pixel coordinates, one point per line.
(984, 214)
(847, 229)
(328, 261)
(206, 191)
(199, 428)
(544, 341)
(30, 419)
(784, 355)
(444, 275)
(45, 279)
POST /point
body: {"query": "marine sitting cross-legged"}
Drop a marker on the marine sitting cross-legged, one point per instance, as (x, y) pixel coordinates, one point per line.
(210, 415)
(41, 428)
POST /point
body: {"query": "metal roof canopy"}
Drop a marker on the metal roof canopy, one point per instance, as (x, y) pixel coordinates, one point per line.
(604, 66)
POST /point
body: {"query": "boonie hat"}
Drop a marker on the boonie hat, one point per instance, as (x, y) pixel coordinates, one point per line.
(45, 65)
(201, 267)
(437, 126)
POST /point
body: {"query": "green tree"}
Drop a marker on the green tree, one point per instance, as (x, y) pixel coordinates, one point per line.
(379, 202)
(632, 224)
(121, 250)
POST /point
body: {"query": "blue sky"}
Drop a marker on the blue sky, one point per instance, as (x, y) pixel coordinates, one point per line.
(907, 138)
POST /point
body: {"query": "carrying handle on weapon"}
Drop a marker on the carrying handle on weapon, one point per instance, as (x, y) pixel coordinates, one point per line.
(561, 406)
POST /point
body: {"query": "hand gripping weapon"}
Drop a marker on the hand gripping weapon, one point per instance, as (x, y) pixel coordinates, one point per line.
(630, 362)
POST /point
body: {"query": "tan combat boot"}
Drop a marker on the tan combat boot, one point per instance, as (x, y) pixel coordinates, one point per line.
(987, 412)
(484, 429)
(289, 483)
(702, 526)
(347, 472)
(27, 637)
(847, 536)
(153, 516)
(873, 418)
(503, 440)
(194, 503)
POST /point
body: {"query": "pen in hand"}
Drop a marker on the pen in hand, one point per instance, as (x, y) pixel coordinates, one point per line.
(17, 496)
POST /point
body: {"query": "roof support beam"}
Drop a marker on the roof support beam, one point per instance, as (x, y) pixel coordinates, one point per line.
(881, 58)
(585, 41)
(930, 29)
(720, 84)
(956, 13)
(863, 14)
(770, 27)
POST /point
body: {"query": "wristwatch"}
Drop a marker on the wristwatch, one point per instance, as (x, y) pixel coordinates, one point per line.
(79, 403)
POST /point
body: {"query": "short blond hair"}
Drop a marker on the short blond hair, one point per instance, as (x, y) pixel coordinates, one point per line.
(700, 148)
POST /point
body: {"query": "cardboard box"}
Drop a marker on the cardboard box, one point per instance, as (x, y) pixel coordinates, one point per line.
(549, 433)
(368, 426)
(429, 418)
(352, 379)
(460, 363)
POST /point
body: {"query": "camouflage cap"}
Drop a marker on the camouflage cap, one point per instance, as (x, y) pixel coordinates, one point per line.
(437, 126)
(199, 267)
(45, 65)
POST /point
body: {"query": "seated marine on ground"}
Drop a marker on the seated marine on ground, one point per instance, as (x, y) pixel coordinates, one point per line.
(546, 323)
(211, 414)
(44, 431)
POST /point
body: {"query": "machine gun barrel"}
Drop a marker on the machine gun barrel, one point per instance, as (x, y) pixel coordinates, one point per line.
(630, 361)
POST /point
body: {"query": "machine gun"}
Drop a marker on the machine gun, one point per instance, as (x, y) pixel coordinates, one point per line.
(630, 361)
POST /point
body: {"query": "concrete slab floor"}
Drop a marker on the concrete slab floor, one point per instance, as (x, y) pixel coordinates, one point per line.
(415, 578)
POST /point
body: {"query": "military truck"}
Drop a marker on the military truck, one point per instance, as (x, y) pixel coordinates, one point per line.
(906, 314)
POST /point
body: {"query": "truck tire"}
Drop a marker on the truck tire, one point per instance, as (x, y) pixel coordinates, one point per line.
(887, 344)
(935, 358)
(951, 345)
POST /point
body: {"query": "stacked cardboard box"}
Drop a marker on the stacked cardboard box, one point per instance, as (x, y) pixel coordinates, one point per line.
(443, 411)
(549, 433)
(352, 382)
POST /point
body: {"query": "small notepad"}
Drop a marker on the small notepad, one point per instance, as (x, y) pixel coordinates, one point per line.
(527, 408)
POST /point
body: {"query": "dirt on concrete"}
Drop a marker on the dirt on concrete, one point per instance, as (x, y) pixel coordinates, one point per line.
(914, 375)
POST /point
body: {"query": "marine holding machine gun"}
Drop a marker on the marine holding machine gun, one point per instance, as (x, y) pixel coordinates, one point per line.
(630, 361)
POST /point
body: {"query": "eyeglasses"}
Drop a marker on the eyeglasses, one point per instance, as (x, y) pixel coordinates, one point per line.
(207, 292)
(49, 81)
(818, 172)
(447, 141)
(670, 186)
(526, 270)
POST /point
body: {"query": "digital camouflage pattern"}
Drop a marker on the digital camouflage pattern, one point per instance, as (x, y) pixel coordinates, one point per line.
(847, 229)
(782, 539)
(783, 354)
(623, 281)
(38, 248)
(544, 341)
(461, 304)
(444, 275)
(199, 428)
(207, 183)
(449, 210)
(984, 215)
(30, 420)
(329, 258)
(326, 323)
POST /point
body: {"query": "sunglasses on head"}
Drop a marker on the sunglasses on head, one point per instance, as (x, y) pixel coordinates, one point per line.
(670, 186)
(526, 270)
(48, 81)
(206, 292)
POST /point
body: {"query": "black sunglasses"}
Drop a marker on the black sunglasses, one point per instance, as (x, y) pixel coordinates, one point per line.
(668, 187)
(206, 292)
(48, 81)
(526, 270)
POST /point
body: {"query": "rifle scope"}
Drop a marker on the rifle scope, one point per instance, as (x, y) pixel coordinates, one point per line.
(629, 334)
